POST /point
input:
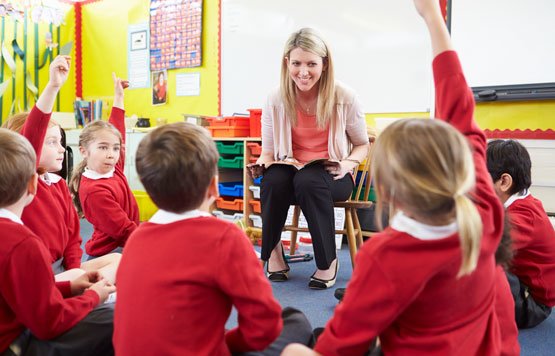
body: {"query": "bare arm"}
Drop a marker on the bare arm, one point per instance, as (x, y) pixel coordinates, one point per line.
(59, 71)
(430, 11)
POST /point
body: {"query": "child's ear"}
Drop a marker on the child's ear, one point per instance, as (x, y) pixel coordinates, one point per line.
(32, 188)
(505, 182)
(83, 151)
(213, 191)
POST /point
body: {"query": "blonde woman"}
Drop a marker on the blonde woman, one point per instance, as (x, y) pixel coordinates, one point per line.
(427, 283)
(310, 116)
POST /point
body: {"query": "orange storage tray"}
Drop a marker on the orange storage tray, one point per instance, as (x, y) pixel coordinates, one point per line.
(255, 148)
(235, 204)
(255, 206)
(239, 121)
(253, 159)
(255, 124)
(229, 131)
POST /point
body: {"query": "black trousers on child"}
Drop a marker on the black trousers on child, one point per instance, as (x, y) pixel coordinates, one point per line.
(528, 312)
(91, 336)
(314, 190)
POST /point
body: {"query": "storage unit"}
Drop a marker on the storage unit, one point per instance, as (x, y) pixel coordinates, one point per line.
(231, 189)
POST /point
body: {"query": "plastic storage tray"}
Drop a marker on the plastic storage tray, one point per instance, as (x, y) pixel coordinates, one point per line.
(255, 206)
(229, 131)
(229, 217)
(255, 148)
(231, 189)
(235, 204)
(230, 148)
(255, 191)
(256, 220)
(235, 162)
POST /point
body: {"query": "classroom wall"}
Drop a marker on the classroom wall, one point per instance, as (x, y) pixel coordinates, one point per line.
(31, 39)
(105, 31)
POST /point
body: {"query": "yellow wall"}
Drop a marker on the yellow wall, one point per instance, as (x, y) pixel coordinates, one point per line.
(25, 31)
(105, 27)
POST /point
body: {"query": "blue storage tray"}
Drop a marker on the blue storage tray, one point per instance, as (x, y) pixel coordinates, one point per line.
(231, 189)
(257, 181)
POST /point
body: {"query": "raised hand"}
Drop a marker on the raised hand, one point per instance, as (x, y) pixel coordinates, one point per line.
(59, 71)
(119, 86)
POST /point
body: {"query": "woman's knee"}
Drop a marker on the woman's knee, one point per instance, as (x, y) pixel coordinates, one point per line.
(307, 181)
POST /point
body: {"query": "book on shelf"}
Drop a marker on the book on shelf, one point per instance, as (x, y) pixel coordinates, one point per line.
(87, 111)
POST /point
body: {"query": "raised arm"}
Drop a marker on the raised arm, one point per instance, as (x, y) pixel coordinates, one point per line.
(117, 116)
(37, 122)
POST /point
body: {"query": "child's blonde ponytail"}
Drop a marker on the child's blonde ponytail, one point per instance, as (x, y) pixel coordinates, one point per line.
(470, 233)
(74, 183)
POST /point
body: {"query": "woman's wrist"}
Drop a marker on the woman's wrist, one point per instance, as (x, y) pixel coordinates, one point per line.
(352, 160)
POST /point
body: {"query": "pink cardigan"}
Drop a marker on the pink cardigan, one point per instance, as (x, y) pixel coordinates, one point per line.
(347, 127)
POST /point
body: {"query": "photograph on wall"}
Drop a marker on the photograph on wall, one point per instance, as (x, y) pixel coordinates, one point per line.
(159, 87)
(175, 34)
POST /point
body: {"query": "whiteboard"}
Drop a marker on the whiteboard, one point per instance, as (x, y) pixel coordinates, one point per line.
(380, 49)
(505, 42)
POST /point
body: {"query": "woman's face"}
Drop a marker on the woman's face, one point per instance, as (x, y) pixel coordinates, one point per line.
(305, 68)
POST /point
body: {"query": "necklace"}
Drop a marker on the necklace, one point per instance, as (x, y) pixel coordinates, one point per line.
(307, 108)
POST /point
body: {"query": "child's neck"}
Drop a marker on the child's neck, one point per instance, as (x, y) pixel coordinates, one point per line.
(17, 207)
(438, 220)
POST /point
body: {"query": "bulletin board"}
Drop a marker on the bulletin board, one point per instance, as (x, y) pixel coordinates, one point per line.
(175, 34)
(505, 42)
(381, 49)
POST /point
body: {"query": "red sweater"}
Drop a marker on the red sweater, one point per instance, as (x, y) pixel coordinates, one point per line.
(28, 295)
(109, 204)
(405, 290)
(534, 246)
(51, 215)
(177, 283)
(505, 309)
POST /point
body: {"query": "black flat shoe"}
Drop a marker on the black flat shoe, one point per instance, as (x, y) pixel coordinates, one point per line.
(339, 293)
(278, 276)
(317, 283)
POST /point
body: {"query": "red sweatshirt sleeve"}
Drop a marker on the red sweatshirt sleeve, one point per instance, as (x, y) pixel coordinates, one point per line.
(105, 213)
(117, 118)
(72, 252)
(28, 288)
(35, 128)
(241, 279)
(64, 288)
(455, 104)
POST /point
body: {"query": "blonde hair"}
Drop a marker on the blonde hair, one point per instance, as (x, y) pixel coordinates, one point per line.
(17, 166)
(430, 178)
(16, 123)
(308, 40)
(87, 136)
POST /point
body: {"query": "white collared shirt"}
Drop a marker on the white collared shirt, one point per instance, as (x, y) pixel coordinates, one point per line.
(167, 217)
(517, 196)
(50, 178)
(89, 173)
(403, 223)
(5, 213)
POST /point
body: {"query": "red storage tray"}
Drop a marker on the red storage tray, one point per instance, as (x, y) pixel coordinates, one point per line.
(255, 125)
(239, 121)
(255, 148)
(229, 131)
(235, 204)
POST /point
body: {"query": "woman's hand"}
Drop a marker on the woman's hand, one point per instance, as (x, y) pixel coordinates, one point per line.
(339, 169)
(255, 170)
(59, 71)
(86, 280)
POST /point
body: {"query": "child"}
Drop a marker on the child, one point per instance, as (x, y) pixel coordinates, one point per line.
(427, 283)
(35, 319)
(52, 216)
(532, 272)
(98, 185)
(209, 264)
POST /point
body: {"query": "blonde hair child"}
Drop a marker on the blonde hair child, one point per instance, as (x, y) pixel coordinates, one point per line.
(51, 216)
(98, 185)
(428, 281)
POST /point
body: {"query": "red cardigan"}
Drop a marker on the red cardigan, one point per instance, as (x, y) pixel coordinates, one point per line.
(28, 295)
(405, 290)
(534, 246)
(177, 283)
(109, 204)
(51, 215)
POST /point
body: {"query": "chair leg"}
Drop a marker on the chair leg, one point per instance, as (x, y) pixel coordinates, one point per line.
(350, 235)
(358, 229)
(293, 244)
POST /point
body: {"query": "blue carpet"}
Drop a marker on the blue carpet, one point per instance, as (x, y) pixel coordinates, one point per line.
(319, 305)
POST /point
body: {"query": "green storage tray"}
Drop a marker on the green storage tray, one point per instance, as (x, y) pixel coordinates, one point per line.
(235, 162)
(226, 148)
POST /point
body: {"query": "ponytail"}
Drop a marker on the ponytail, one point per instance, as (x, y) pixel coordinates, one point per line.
(470, 233)
(74, 183)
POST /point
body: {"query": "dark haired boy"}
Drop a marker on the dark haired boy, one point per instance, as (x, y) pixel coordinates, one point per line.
(532, 272)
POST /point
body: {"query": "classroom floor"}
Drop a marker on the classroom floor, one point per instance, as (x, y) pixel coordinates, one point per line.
(319, 305)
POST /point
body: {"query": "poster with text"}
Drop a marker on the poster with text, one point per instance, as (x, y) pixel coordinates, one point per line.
(175, 34)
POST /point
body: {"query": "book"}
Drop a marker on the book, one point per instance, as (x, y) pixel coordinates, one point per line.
(293, 162)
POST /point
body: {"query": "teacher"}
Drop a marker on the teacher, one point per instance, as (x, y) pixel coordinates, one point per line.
(310, 116)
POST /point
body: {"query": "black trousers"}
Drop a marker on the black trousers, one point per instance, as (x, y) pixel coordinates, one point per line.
(314, 190)
(528, 312)
(91, 336)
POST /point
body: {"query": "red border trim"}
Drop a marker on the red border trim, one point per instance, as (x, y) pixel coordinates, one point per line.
(548, 134)
(220, 58)
(78, 54)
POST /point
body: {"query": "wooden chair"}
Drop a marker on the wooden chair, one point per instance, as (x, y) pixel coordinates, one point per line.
(352, 225)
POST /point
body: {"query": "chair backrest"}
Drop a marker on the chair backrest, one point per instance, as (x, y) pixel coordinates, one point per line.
(362, 174)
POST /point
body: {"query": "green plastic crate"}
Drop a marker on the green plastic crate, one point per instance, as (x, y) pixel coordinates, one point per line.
(235, 162)
(226, 148)
(371, 194)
